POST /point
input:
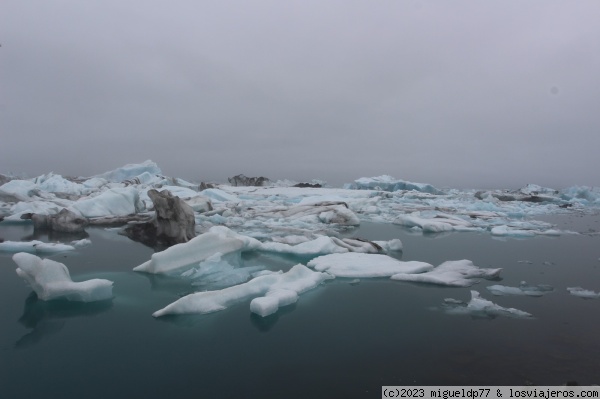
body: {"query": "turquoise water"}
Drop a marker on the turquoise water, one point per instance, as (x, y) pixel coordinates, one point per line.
(339, 340)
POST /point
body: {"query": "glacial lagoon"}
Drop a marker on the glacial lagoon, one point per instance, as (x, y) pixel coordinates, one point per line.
(344, 338)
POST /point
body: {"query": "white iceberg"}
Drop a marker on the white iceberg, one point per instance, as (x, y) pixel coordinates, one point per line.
(180, 257)
(436, 222)
(114, 202)
(455, 273)
(53, 183)
(279, 289)
(522, 289)
(388, 183)
(18, 190)
(583, 293)
(357, 265)
(130, 171)
(480, 307)
(35, 246)
(51, 280)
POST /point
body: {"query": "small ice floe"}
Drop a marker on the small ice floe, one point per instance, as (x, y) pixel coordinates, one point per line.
(51, 280)
(583, 293)
(435, 222)
(522, 289)
(361, 265)
(548, 263)
(35, 247)
(81, 243)
(268, 292)
(457, 273)
(482, 308)
(528, 262)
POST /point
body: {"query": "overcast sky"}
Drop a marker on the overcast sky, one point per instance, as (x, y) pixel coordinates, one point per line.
(452, 93)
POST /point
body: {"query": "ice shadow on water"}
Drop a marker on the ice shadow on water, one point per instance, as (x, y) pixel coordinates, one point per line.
(55, 236)
(46, 318)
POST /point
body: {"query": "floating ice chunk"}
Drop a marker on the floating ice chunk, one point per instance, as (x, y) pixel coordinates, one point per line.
(357, 265)
(114, 202)
(583, 293)
(51, 280)
(583, 194)
(18, 190)
(292, 240)
(81, 243)
(394, 245)
(388, 183)
(34, 246)
(505, 230)
(272, 301)
(480, 307)
(37, 207)
(331, 213)
(219, 271)
(199, 203)
(130, 171)
(318, 246)
(436, 223)
(522, 289)
(57, 184)
(218, 239)
(275, 287)
(216, 194)
(456, 273)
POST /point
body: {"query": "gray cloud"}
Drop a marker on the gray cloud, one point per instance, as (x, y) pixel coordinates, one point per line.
(461, 93)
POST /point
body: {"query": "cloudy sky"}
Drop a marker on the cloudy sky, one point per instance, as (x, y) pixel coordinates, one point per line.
(453, 93)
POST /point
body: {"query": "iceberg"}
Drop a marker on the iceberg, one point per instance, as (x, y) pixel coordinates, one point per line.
(51, 280)
(480, 307)
(357, 265)
(181, 257)
(456, 273)
(522, 289)
(113, 202)
(388, 183)
(277, 289)
(583, 293)
(18, 190)
(130, 171)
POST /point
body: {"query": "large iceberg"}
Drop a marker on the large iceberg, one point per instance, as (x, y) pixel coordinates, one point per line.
(114, 202)
(51, 280)
(388, 183)
(269, 291)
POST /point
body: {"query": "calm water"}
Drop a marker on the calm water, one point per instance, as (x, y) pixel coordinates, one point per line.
(339, 340)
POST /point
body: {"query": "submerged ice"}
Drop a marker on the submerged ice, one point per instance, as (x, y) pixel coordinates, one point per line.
(481, 307)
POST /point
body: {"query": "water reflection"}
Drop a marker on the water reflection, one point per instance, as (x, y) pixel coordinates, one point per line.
(46, 318)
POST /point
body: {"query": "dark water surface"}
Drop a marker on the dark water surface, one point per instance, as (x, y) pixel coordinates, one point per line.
(340, 340)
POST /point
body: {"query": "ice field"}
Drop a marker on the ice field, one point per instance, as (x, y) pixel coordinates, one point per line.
(383, 282)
